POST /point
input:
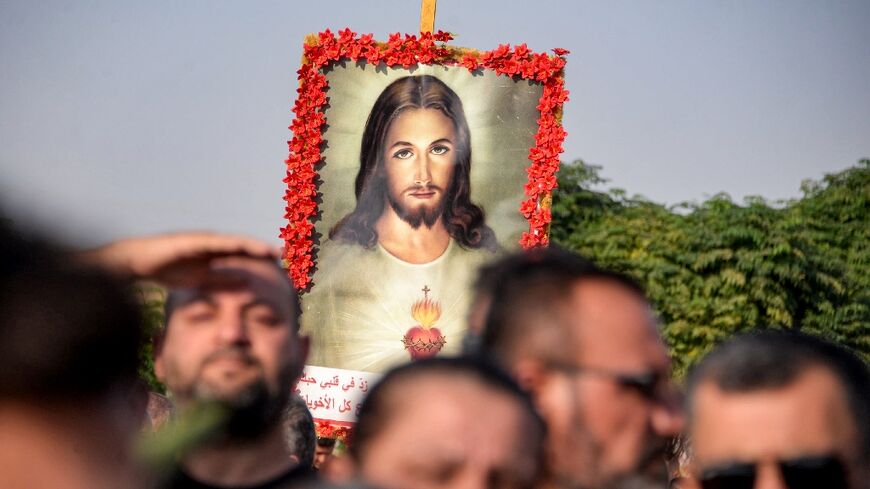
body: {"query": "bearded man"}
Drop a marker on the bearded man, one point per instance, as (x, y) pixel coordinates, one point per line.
(231, 343)
(585, 343)
(232, 340)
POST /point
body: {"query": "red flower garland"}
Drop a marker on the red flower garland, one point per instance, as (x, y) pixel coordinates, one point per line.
(326, 429)
(407, 51)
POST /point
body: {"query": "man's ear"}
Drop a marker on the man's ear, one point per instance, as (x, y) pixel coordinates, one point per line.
(545, 387)
(157, 343)
(532, 377)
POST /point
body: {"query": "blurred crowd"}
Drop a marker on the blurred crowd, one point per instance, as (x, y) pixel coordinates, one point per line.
(565, 382)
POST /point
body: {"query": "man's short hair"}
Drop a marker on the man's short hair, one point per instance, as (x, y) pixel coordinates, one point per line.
(68, 332)
(326, 442)
(377, 408)
(773, 359)
(299, 430)
(527, 290)
(173, 298)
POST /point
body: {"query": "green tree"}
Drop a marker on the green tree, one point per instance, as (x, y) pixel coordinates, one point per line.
(717, 268)
(835, 218)
(151, 298)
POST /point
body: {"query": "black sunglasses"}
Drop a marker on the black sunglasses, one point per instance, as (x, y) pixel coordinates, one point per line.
(824, 471)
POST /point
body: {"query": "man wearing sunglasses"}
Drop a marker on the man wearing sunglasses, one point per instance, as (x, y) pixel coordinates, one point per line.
(780, 410)
(584, 342)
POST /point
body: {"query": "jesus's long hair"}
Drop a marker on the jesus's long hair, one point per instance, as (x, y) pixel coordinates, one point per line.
(465, 221)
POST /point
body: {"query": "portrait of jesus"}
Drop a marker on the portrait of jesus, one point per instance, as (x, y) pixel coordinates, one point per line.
(393, 272)
(413, 187)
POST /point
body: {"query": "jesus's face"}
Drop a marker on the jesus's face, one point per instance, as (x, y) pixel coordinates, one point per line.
(419, 156)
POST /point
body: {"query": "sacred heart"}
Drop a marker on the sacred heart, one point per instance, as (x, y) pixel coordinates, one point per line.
(424, 340)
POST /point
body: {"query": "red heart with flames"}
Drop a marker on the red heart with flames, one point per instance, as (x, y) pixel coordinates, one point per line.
(424, 340)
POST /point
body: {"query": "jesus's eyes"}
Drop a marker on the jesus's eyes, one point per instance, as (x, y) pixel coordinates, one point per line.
(403, 154)
(407, 153)
(439, 150)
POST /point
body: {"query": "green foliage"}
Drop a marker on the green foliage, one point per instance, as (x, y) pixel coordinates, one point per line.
(717, 268)
(151, 299)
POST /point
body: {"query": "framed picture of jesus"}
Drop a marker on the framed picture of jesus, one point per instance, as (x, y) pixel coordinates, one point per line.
(412, 164)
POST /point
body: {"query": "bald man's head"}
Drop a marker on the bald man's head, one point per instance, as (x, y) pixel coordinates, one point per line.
(447, 422)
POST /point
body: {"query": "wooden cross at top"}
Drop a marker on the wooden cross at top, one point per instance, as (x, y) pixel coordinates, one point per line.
(426, 291)
(427, 15)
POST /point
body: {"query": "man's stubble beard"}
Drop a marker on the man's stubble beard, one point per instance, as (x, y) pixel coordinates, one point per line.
(252, 409)
(650, 471)
(421, 214)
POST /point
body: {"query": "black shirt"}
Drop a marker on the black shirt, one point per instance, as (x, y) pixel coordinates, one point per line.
(291, 478)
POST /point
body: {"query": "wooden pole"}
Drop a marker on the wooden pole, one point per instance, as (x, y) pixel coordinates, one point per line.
(427, 16)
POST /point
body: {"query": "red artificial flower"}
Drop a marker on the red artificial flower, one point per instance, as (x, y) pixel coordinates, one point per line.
(426, 57)
(346, 35)
(323, 36)
(302, 263)
(355, 48)
(300, 278)
(560, 51)
(557, 64)
(394, 41)
(540, 186)
(529, 240)
(542, 65)
(521, 51)
(501, 51)
(297, 126)
(540, 218)
(469, 61)
(509, 67)
(528, 207)
(332, 50)
(442, 36)
(295, 145)
(528, 69)
(373, 54)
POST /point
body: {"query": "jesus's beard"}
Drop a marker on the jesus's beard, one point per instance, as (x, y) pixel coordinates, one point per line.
(422, 214)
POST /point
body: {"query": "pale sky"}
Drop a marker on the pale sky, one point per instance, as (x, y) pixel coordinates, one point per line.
(130, 117)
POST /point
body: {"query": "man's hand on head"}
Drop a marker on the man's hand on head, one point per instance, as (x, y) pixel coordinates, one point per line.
(175, 260)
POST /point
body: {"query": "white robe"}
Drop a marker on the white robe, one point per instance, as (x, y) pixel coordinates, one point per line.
(359, 308)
